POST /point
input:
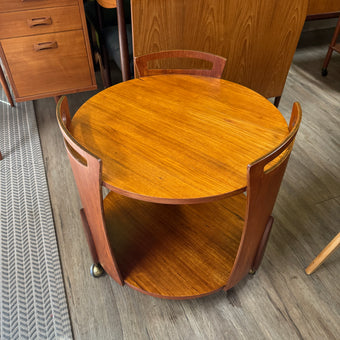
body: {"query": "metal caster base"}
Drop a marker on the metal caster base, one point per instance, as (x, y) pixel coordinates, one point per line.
(324, 72)
(96, 270)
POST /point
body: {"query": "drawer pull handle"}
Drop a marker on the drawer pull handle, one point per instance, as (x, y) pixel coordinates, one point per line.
(45, 46)
(39, 21)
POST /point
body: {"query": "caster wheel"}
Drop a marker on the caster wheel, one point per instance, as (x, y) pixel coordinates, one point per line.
(96, 270)
(324, 72)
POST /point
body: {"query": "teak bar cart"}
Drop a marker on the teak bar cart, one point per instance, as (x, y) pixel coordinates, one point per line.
(177, 152)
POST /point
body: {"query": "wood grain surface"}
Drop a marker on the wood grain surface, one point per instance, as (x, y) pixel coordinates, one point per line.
(18, 5)
(178, 138)
(280, 301)
(17, 24)
(67, 61)
(173, 251)
(258, 38)
(45, 49)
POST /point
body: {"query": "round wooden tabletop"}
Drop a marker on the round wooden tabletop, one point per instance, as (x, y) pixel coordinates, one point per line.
(178, 139)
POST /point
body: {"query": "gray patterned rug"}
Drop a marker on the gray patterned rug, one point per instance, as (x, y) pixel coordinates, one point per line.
(32, 296)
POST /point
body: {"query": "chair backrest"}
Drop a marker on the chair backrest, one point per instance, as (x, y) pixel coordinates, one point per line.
(216, 70)
(87, 169)
(264, 180)
(258, 38)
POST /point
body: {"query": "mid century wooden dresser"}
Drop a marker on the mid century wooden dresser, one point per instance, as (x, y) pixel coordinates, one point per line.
(44, 48)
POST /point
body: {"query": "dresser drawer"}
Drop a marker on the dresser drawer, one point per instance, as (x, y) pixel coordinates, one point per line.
(48, 63)
(17, 5)
(47, 20)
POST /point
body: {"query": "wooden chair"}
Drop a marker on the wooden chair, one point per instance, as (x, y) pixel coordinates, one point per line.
(334, 46)
(110, 22)
(117, 241)
(217, 63)
(327, 251)
(258, 38)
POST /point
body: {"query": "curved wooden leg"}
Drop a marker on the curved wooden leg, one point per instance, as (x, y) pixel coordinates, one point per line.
(262, 246)
(96, 269)
(5, 87)
(328, 250)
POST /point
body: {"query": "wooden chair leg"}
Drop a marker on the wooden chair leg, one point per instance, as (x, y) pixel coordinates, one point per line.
(277, 101)
(104, 68)
(328, 250)
(324, 71)
(123, 43)
(5, 87)
(0, 156)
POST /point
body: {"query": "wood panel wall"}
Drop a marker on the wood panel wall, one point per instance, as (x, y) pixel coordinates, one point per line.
(258, 38)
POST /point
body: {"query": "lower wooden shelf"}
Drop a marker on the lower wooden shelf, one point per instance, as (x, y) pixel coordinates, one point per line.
(175, 251)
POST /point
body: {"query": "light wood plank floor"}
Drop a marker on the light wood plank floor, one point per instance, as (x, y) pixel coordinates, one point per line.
(280, 301)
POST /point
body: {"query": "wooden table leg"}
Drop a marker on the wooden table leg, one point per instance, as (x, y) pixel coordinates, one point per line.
(328, 250)
(324, 71)
(5, 87)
